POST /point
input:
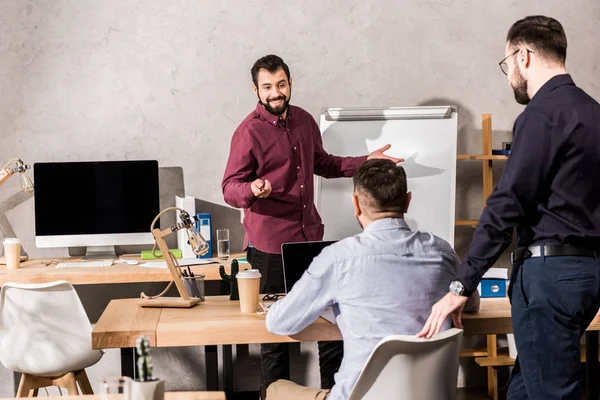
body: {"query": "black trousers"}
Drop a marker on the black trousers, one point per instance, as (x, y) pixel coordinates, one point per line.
(553, 301)
(275, 357)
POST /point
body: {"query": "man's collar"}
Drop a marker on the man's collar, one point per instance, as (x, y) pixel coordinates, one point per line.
(553, 83)
(386, 224)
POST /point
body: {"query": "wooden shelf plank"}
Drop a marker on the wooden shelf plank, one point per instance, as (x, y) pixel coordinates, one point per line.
(480, 157)
(474, 352)
(466, 222)
(501, 360)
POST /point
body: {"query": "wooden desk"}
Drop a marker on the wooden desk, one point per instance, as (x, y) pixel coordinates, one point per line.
(494, 318)
(168, 396)
(34, 271)
(218, 321)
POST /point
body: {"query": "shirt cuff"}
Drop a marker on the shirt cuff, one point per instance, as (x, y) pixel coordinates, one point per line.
(465, 278)
(249, 195)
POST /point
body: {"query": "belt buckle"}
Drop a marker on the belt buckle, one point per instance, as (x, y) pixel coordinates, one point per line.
(526, 253)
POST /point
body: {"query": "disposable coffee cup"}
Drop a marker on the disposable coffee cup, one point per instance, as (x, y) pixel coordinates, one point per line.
(249, 288)
(12, 253)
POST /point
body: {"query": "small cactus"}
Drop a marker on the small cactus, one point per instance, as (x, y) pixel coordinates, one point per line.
(144, 362)
(235, 268)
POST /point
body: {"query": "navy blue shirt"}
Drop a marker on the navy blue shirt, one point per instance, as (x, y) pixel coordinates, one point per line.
(550, 188)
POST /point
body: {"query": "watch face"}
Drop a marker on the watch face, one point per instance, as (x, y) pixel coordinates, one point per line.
(456, 287)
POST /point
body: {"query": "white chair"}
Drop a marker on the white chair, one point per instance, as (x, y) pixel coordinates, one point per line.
(403, 367)
(45, 335)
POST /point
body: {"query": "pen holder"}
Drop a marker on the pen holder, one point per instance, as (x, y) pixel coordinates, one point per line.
(195, 286)
(235, 268)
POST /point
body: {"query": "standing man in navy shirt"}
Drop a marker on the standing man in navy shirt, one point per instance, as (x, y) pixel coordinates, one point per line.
(274, 154)
(550, 193)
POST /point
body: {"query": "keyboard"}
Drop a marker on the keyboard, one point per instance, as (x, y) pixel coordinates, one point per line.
(79, 264)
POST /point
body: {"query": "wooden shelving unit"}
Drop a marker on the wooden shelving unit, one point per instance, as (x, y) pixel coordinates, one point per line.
(466, 222)
(488, 357)
(480, 157)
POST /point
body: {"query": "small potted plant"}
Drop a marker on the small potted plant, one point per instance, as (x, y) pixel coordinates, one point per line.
(146, 387)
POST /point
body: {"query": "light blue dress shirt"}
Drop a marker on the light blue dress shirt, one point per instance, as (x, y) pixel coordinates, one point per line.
(380, 282)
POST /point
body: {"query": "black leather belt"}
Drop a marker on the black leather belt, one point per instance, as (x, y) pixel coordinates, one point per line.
(551, 250)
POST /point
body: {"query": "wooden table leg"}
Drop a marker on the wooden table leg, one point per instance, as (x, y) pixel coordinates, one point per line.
(128, 362)
(228, 371)
(212, 368)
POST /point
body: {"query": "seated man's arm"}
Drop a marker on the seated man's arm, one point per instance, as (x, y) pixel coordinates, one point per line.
(311, 295)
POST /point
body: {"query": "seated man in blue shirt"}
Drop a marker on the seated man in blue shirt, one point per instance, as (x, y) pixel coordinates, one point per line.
(381, 282)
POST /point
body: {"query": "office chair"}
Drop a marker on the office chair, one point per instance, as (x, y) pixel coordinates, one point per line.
(45, 335)
(404, 367)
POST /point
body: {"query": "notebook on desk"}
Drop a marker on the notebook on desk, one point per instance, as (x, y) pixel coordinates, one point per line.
(296, 258)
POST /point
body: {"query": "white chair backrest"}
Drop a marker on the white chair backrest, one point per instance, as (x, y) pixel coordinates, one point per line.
(44, 330)
(403, 367)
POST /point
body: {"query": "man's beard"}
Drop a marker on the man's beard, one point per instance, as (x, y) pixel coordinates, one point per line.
(520, 88)
(276, 110)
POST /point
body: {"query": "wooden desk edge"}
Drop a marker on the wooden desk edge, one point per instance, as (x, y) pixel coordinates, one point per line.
(107, 334)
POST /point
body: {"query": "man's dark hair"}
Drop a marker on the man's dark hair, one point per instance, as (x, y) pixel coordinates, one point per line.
(271, 63)
(546, 35)
(383, 185)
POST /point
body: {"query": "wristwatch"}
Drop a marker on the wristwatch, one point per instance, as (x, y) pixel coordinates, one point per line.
(458, 289)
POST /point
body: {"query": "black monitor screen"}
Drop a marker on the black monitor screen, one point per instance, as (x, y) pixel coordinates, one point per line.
(103, 197)
(296, 259)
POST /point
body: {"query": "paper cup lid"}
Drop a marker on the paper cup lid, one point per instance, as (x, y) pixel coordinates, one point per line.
(12, 241)
(248, 274)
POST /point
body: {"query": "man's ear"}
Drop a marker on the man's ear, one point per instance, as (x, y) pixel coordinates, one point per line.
(255, 89)
(407, 200)
(524, 58)
(356, 204)
(290, 82)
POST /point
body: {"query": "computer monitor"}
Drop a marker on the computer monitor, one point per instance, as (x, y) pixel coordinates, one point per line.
(98, 204)
(296, 258)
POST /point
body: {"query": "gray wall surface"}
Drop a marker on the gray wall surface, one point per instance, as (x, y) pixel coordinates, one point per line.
(170, 80)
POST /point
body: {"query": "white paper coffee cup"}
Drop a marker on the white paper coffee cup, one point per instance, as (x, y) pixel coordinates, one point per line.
(249, 289)
(12, 253)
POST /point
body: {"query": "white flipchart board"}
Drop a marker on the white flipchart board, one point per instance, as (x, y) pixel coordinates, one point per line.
(424, 136)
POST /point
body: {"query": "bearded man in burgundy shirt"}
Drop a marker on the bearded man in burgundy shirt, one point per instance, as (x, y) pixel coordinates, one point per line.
(274, 153)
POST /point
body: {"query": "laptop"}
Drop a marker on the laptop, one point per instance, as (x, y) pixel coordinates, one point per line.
(296, 258)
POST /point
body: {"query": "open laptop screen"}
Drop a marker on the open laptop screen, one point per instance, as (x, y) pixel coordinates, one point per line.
(296, 259)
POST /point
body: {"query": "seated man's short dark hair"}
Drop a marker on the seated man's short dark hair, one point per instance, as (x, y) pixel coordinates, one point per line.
(381, 184)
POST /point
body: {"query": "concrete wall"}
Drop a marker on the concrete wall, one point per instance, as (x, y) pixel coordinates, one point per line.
(169, 80)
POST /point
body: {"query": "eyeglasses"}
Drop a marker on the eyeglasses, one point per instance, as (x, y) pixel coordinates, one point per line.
(504, 66)
(273, 296)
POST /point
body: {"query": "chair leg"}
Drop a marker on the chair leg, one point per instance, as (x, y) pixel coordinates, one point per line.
(33, 392)
(68, 381)
(84, 383)
(25, 385)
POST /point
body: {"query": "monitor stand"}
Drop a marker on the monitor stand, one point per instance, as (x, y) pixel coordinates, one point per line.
(100, 253)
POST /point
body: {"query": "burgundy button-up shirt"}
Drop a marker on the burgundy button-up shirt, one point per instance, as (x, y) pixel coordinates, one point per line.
(287, 153)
